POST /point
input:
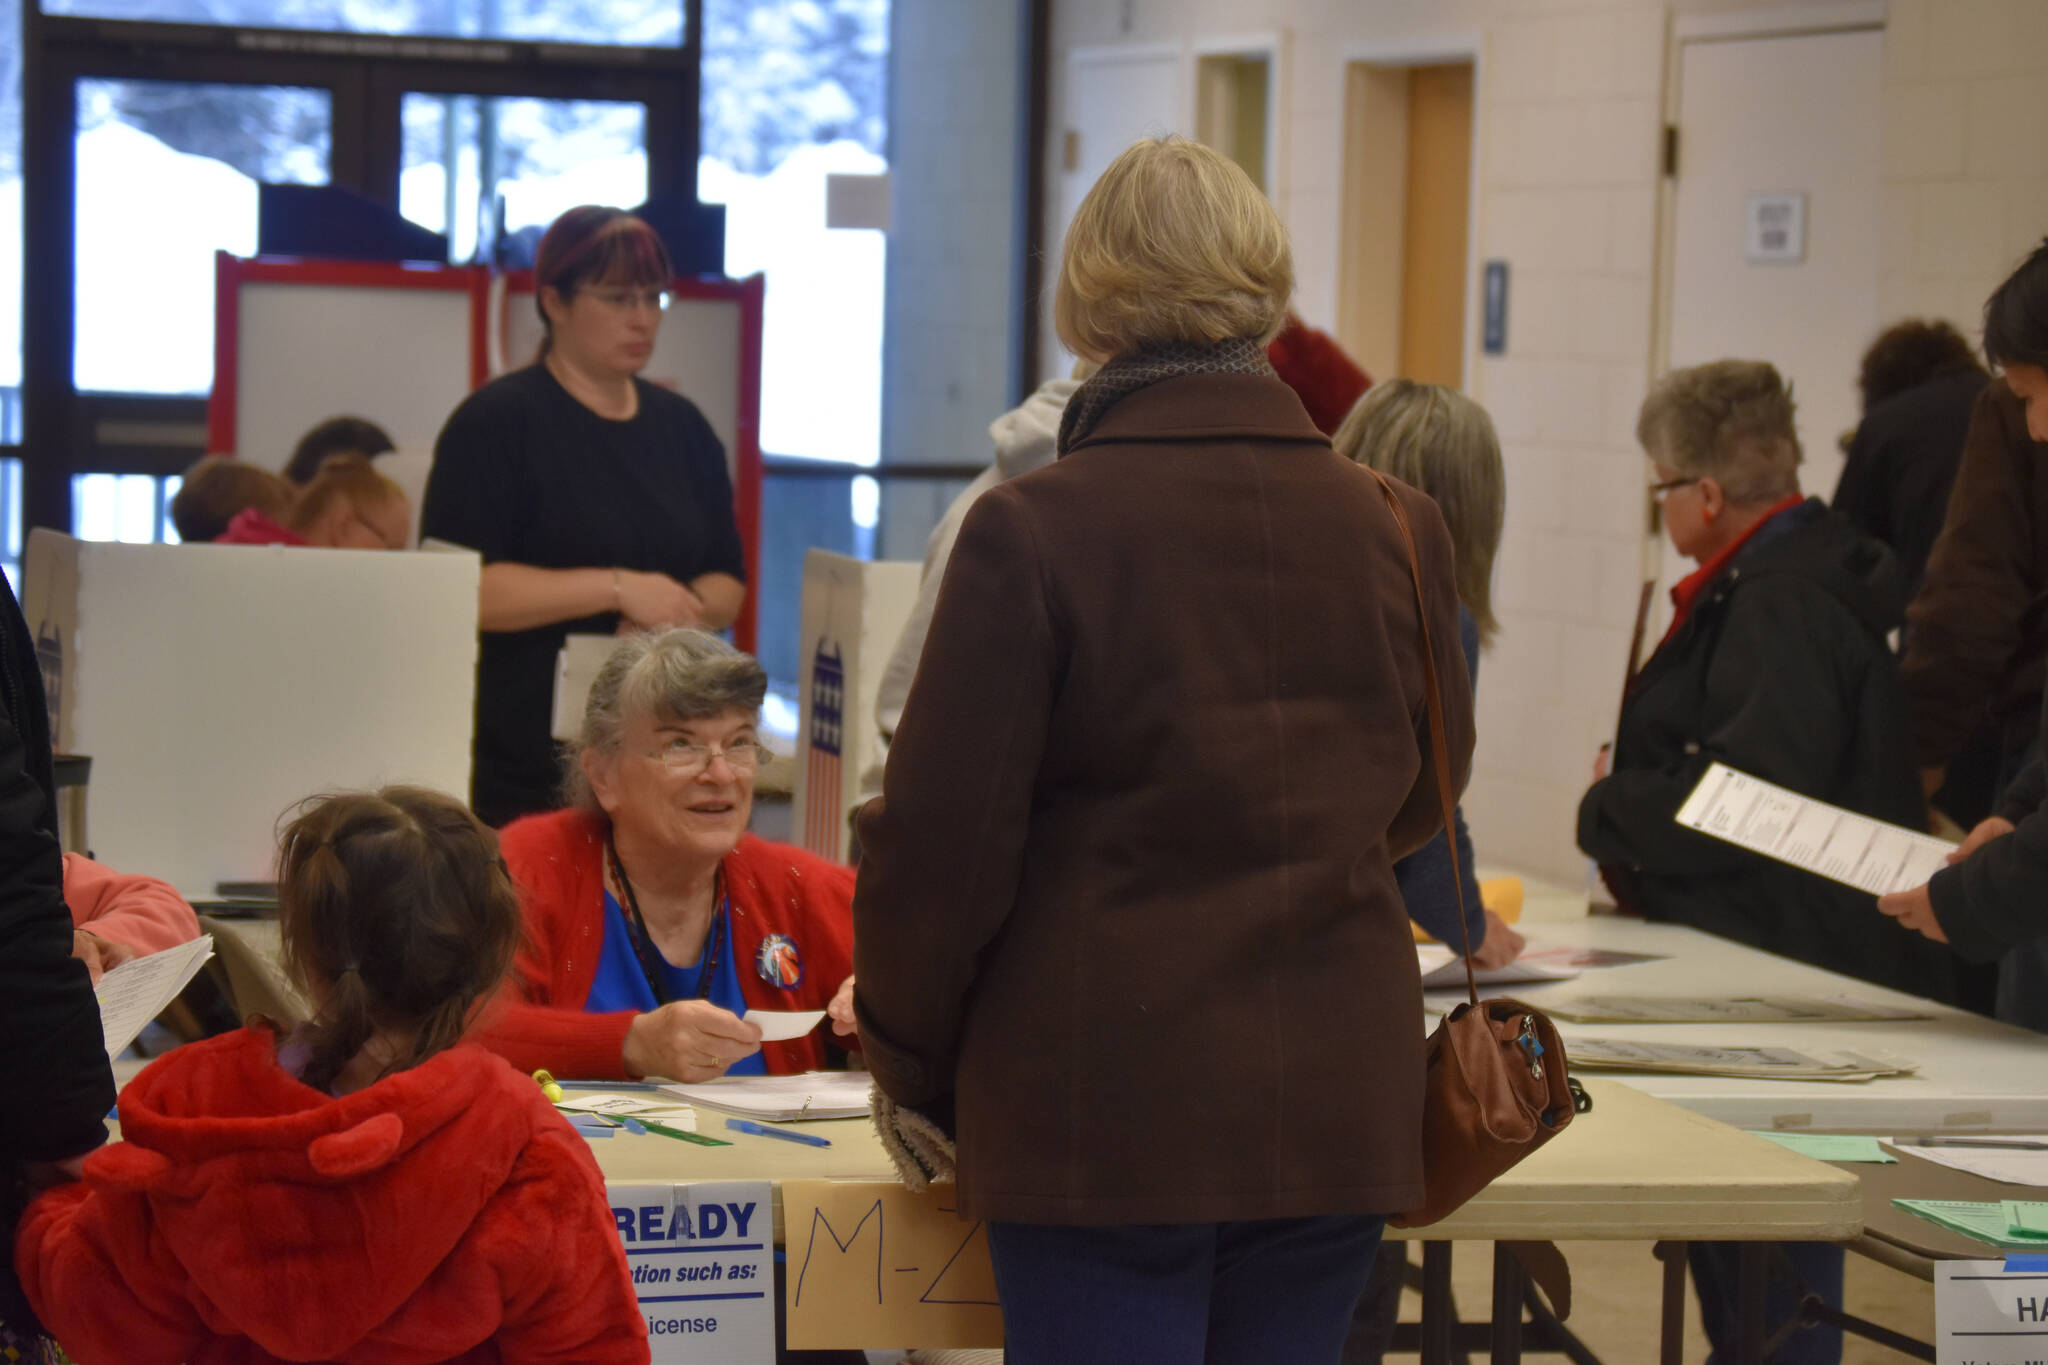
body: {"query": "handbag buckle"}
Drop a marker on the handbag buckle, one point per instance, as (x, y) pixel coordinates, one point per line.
(1531, 1045)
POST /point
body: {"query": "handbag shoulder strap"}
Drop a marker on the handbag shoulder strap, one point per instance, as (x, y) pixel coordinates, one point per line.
(1434, 701)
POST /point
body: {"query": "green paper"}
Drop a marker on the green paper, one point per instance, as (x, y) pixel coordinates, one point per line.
(2025, 1219)
(1831, 1146)
(1986, 1222)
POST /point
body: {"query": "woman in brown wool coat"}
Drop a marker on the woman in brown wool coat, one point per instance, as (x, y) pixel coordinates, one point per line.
(1126, 922)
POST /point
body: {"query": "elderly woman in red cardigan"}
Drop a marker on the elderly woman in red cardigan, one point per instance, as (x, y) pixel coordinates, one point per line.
(654, 920)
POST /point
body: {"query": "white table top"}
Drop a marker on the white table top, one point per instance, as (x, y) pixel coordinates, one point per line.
(1974, 1073)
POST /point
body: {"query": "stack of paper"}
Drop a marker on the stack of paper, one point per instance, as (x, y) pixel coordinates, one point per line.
(1777, 1063)
(633, 1106)
(1761, 1009)
(1829, 1146)
(784, 1099)
(2010, 1225)
(138, 990)
(2012, 1158)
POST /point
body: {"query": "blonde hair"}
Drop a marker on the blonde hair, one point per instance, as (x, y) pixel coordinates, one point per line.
(350, 478)
(1444, 444)
(1173, 244)
(1731, 421)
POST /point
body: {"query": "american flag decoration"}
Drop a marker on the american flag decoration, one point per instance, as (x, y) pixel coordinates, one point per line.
(823, 822)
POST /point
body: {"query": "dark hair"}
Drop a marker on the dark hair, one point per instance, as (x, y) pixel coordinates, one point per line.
(2016, 315)
(1908, 354)
(592, 243)
(217, 489)
(335, 436)
(396, 909)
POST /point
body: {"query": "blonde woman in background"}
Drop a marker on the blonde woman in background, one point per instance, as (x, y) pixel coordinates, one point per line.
(1443, 443)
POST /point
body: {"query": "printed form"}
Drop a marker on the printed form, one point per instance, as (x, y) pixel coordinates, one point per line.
(1839, 844)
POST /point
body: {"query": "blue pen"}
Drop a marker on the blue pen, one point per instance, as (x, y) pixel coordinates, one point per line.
(763, 1130)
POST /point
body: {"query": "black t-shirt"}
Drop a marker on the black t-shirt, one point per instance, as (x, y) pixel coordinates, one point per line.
(523, 472)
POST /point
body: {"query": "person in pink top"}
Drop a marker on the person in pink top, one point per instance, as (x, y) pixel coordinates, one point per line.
(116, 916)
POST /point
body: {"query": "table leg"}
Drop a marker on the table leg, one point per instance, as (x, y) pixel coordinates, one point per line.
(1437, 1318)
(1672, 1322)
(1753, 1259)
(1510, 1282)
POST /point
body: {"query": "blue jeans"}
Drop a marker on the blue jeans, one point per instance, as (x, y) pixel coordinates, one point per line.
(1201, 1294)
(1817, 1264)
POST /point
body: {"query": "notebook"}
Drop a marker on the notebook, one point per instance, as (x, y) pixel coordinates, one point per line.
(783, 1099)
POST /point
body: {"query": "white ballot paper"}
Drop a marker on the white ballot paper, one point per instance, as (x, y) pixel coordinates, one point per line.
(1783, 1063)
(783, 1099)
(1755, 1009)
(1442, 969)
(136, 991)
(1838, 844)
(2017, 1163)
(779, 1025)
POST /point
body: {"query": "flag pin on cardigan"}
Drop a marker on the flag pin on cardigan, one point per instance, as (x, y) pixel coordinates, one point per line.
(779, 962)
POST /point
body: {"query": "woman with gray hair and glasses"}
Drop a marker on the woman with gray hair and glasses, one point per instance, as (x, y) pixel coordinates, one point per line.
(654, 920)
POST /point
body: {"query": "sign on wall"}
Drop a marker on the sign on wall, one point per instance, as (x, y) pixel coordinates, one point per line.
(1776, 232)
(699, 1253)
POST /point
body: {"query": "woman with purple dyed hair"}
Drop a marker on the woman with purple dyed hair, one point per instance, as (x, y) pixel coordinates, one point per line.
(598, 501)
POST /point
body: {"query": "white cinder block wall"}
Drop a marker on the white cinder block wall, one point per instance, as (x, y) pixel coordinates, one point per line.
(1569, 111)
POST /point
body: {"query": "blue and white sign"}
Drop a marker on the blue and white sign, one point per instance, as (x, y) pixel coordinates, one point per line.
(700, 1256)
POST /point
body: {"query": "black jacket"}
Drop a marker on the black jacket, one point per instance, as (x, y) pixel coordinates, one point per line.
(59, 1087)
(1999, 898)
(1783, 671)
(1902, 464)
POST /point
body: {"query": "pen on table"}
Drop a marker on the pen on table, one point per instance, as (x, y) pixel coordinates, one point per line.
(1996, 1144)
(763, 1130)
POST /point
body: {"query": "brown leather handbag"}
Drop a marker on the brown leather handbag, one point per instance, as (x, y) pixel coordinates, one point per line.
(1497, 1088)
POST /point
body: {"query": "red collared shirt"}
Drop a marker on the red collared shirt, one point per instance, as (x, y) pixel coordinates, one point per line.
(1686, 592)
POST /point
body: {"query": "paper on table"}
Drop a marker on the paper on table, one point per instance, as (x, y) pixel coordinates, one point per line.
(1983, 1221)
(1779, 1062)
(777, 1025)
(136, 991)
(2025, 1218)
(1830, 1146)
(637, 1106)
(1757, 1009)
(2003, 1164)
(784, 1099)
(1442, 970)
(1839, 844)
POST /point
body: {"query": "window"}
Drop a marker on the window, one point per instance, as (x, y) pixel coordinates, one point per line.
(632, 23)
(793, 92)
(132, 508)
(167, 175)
(527, 159)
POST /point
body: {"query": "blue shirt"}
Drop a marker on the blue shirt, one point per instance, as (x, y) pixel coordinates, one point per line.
(620, 984)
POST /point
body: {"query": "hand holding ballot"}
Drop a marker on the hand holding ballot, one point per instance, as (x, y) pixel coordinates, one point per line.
(688, 1040)
(1915, 908)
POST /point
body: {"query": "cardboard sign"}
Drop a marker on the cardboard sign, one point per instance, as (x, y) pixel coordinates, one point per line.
(699, 1253)
(872, 1265)
(1985, 1314)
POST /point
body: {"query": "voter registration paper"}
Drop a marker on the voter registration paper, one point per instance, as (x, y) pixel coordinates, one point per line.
(1838, 844)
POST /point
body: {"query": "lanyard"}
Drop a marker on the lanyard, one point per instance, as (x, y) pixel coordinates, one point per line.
(643, 944)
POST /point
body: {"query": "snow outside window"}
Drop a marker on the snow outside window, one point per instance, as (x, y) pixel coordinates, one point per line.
(628, 23)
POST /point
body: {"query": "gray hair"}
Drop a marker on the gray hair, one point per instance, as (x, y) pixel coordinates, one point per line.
(1731, 421)
(680, 674)
(1443, 443)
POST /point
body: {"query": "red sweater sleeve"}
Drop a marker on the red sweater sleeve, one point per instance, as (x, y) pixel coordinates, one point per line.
(538, 1019)
(140, 912)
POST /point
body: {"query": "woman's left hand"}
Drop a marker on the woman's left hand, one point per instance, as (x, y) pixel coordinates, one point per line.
(1915, 910)
(841, 1010)
(99, 955)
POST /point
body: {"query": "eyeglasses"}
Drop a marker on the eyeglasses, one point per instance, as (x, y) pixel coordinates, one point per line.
(629, 300)
(1660, 490)
(685, 759)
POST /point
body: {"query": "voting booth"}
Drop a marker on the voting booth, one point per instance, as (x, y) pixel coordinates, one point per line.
(853, 611)
(215, 685)
(297, 341)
